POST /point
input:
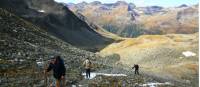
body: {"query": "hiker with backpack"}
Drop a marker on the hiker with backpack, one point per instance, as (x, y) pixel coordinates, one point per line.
(136, 67)
(57, 65)
(87, 64)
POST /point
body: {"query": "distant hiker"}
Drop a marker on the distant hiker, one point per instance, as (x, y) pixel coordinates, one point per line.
(57, 64)
(87, 64)
(136, 66)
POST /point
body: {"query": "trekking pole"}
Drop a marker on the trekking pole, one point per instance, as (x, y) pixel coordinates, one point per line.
(63, 82)
(45, 77)
(45, 80)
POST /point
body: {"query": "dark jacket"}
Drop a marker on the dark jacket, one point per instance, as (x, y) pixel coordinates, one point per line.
(136, 67)
(58, 69)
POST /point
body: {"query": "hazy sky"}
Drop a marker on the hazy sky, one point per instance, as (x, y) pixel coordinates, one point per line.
(165, 3)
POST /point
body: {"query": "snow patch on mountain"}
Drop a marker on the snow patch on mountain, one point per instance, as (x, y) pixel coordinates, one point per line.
(42, 11)
(188, 54)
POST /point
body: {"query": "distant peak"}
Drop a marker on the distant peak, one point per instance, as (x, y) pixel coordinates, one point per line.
(132, 5)
(155, 7)
(183, 5)
(83, 2)
(95, 3)
(121, 3)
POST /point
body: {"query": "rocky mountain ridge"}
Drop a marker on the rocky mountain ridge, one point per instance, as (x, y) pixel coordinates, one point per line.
(128, 20)
(58, 20)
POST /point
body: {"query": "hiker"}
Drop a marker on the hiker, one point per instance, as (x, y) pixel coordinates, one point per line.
(87, 64)
(57, 64)
(136, 66)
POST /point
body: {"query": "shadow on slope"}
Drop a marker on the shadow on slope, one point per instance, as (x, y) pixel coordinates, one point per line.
(58, 20)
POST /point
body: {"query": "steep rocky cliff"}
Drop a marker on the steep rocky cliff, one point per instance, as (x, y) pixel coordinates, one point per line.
(24, 45)
(58, 20)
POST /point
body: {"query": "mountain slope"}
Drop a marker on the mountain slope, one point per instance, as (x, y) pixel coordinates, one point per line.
(172, 56)
(59, 21)
(22, 45)
(25, 51)
(173, 20)
(128, 20)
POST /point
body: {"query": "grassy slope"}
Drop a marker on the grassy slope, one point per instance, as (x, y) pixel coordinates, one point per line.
(159, 55)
